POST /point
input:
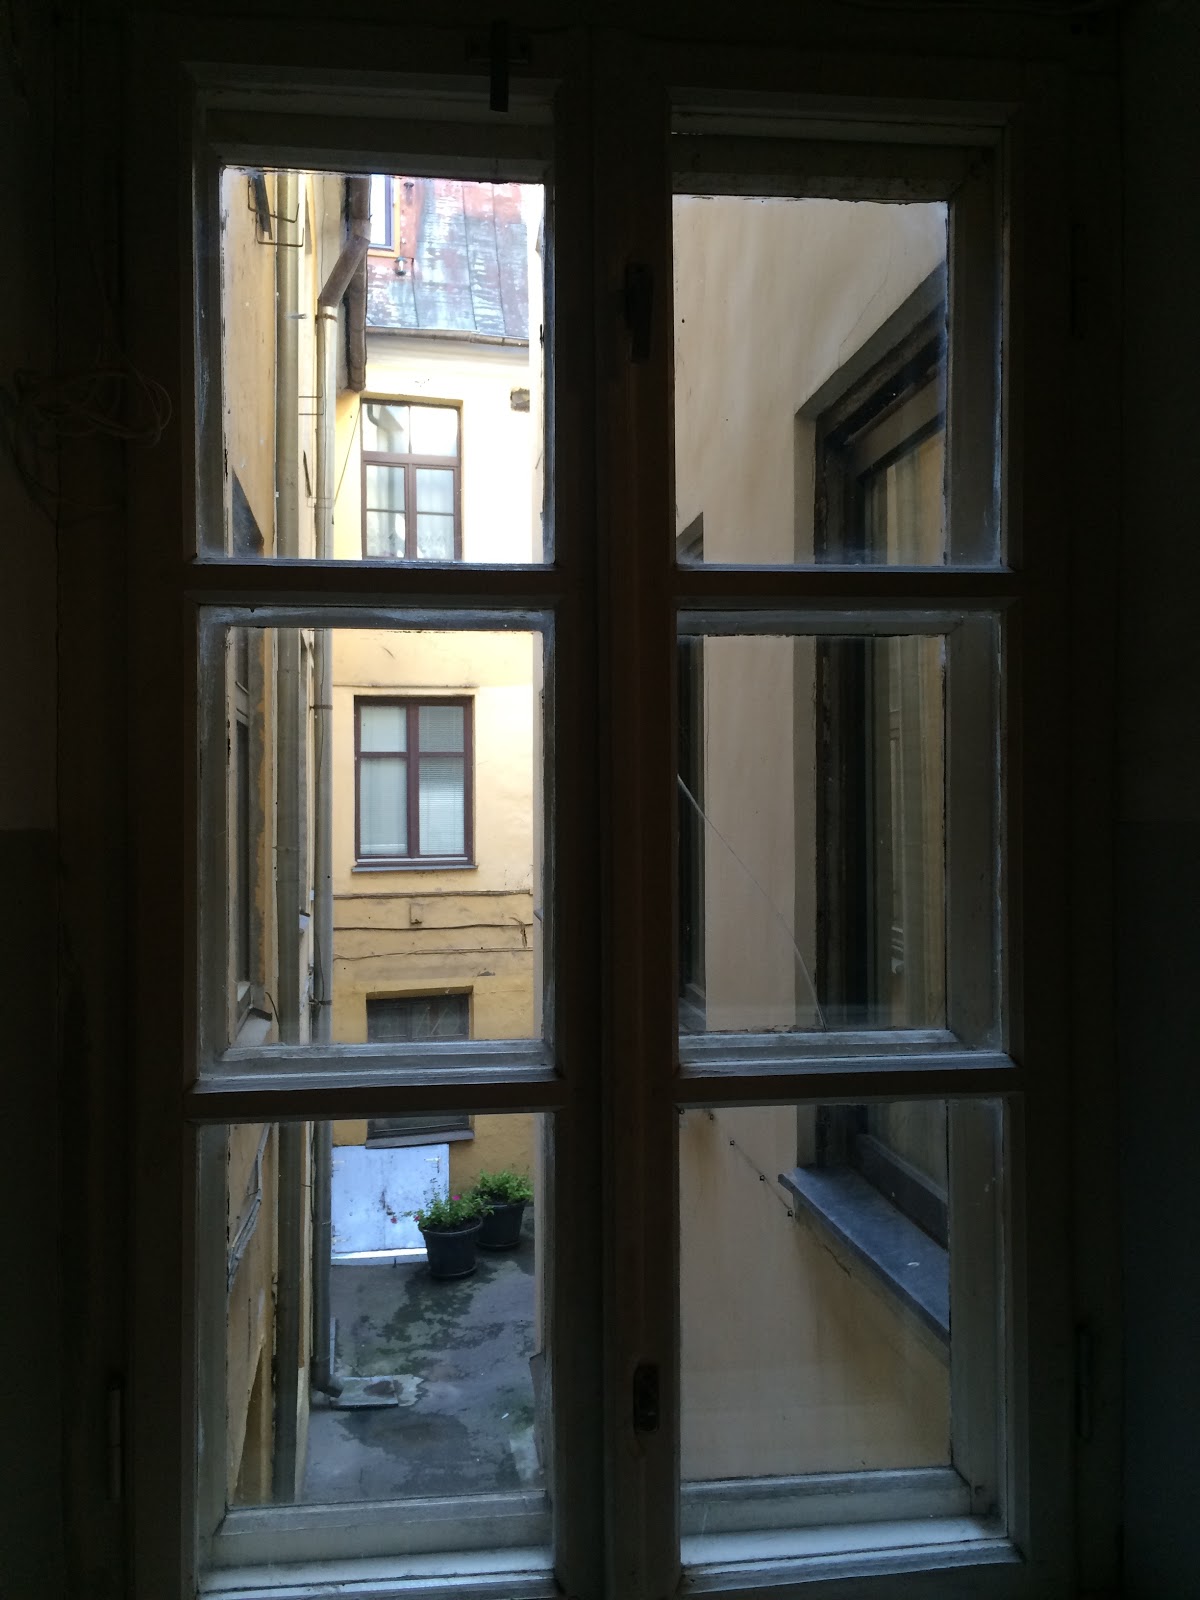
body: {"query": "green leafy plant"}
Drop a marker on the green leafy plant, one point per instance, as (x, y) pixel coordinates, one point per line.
(506, 1187)
(444, 1212)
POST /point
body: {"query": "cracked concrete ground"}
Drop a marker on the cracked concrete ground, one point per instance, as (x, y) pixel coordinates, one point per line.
(459, 1350)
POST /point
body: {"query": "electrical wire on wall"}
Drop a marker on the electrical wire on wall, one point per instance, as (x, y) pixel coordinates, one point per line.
(752, 1164)
(43, 412)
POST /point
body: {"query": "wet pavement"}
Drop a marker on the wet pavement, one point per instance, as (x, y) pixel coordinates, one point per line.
(438, 1392)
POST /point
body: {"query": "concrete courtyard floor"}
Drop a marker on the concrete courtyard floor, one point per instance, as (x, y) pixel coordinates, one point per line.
(455, 1355)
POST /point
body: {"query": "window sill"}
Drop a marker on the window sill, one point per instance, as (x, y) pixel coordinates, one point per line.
(863, 1225)
(404, 1141)
(414, 866)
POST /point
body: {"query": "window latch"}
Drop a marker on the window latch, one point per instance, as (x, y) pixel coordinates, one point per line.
(645, 1398)
(639, 308)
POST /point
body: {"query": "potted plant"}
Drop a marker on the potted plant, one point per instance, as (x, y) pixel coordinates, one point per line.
(450, 1225)
(506, 1193)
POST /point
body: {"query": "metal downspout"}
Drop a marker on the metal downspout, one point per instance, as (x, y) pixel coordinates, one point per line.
(288, 902)
(328, 302)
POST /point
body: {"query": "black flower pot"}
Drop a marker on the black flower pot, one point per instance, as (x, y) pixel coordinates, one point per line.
(451, 1251)
(501, 1228)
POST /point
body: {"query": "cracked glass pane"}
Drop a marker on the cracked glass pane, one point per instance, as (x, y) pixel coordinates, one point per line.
(812, 860)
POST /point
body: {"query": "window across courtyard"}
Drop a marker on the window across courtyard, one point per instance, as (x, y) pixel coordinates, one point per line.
(413, 781)
(410, 463)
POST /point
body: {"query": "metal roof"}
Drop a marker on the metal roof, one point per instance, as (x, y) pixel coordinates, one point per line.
(460, 263)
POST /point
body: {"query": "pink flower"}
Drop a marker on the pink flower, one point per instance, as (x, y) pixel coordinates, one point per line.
(456, 1197)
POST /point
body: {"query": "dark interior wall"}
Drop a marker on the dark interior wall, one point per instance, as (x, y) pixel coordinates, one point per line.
(1157, 861)
(31, 1530)
(1158, 834)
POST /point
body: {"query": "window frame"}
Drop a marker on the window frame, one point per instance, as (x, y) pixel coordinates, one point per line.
(457, 1125)
(408, 463)
(644, 1557)
(417, 860)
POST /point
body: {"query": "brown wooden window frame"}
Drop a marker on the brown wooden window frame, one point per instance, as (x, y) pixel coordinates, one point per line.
(412, 705)
(409, 464)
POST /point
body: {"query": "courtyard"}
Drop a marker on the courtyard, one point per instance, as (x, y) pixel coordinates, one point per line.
(438, 1382)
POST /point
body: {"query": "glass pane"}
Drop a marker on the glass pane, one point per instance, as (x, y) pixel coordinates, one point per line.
(381, 212)
(443, 806)
(440, 728)
(385, 488)
(382, 726)
(812, 798)
(810, 381)
(384, 534)
(434, 431)
(383, 806)
(447, 313)
(853, 1253)
(435, 537)
(370, 1353)
(385, 427)
(363, 784)
(435, 489)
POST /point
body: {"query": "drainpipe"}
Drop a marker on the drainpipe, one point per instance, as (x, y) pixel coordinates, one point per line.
(358, 194)
(288, 888)
(328, 301)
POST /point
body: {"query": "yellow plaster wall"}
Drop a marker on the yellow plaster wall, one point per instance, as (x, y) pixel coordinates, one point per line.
(250, 1326)
(771, 297)
(248, 276)
(791, 1361)
(248, 349)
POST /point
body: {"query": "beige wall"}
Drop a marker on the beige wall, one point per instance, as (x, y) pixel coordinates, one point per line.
(771, 297)
(500, 447)
(793, 1360)
(251, 1320)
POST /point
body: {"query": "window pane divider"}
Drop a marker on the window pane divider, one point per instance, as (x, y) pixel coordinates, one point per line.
(850, 1080)
(806, 168)
(853, 586)
(877, 1046)
(290, 1096)
(836, 618)
(426, 1060)
(457, 149)
(331, 584)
